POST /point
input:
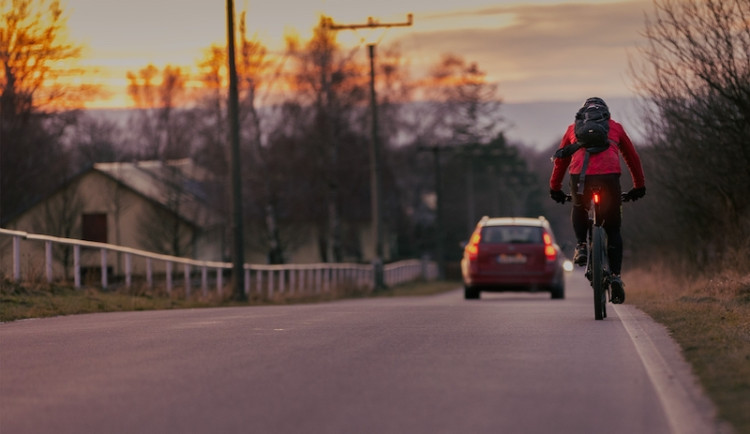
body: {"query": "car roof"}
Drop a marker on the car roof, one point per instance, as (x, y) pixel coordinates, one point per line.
(513, 221)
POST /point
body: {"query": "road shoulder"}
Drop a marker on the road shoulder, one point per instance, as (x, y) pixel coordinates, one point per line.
(686, 405)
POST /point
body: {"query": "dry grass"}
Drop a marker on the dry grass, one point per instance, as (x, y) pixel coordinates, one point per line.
(710, 320)
(43, 300)
(38, 300)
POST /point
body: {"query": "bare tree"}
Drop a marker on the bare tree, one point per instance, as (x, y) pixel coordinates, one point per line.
(96, 140)
(331, 92)
(696, 76)
(255, 68)
(35, 102)
(163, 125)
(61, 217)
(462, 106)
(164, 229)
(257, 72)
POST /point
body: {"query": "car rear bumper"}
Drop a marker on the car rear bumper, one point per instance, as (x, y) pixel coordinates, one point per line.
(513, 282)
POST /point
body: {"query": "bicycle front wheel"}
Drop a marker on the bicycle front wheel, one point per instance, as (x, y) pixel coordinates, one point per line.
(597, 272)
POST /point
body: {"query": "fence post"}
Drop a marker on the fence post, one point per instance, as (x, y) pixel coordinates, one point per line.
(169, 277)
(186, 268)
(48, 260)
(220, 281)
(128, 271)
(247, 281)
(77, 266)
(204, 280)
(271, 276)
(149, 273)
(17, 258)
(104, 268)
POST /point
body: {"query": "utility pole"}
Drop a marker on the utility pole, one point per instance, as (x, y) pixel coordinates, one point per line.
(375, 176)
(238, 237)
(439, 244)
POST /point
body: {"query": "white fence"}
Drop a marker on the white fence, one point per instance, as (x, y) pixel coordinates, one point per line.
(265, 279)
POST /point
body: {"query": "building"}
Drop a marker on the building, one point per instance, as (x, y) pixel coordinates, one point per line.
(161, 207)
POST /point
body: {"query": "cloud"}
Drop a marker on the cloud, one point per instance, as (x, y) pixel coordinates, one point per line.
(557, 51)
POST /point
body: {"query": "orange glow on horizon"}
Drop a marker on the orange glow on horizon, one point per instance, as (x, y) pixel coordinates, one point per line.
(497, 34)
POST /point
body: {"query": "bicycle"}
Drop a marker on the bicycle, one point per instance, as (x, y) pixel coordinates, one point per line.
(597, 271)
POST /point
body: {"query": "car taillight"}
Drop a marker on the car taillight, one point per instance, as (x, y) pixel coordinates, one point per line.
(549, 249)
(472, 249)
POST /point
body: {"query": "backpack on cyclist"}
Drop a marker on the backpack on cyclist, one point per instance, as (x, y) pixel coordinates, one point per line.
(592, 127)
(591, 130)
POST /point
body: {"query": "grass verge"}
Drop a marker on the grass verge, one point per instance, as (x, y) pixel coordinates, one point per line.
(42, 300)
(710, 320)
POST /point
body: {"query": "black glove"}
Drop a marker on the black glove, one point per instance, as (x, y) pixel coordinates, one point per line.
(634, 194)
(558, 196)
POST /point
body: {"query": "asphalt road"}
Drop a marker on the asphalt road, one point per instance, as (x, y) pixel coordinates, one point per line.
(508, 363)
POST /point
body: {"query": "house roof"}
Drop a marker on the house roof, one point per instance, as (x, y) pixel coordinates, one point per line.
(177, 185)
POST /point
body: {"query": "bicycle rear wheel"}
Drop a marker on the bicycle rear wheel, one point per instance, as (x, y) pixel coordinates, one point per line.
(597, 272)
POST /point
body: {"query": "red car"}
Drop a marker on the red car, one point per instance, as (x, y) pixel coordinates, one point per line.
(513, 254)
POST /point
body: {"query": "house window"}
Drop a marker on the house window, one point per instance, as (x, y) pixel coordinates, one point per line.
(94, 227)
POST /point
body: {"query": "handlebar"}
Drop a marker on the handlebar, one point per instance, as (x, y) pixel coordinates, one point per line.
(623, 196)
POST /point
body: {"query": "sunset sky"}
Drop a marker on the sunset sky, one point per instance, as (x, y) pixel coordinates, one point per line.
(536, 50)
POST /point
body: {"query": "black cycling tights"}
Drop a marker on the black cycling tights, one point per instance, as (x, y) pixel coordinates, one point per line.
(611, 209)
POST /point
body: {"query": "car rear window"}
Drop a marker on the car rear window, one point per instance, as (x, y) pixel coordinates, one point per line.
(512, 234)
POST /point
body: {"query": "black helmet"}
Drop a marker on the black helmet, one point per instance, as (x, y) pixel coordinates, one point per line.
(595, 100)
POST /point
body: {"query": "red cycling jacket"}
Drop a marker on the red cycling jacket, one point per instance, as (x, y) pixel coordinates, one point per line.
(602, 163)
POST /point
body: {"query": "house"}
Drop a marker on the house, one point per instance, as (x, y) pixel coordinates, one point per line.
(158, 206)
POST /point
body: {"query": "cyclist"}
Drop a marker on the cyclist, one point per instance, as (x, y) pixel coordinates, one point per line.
(602, 172)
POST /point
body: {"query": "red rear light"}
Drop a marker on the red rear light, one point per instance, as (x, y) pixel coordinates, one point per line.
(596, 197)
(472, 249)
(550, 253)
(549, 249)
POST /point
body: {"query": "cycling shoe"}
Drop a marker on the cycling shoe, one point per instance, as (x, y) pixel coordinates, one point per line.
(618, 290)
(581, 254)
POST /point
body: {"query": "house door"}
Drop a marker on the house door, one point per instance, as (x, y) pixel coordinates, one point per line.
(94, 227)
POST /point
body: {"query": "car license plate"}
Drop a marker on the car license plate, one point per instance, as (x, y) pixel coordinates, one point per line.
(516, 258)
